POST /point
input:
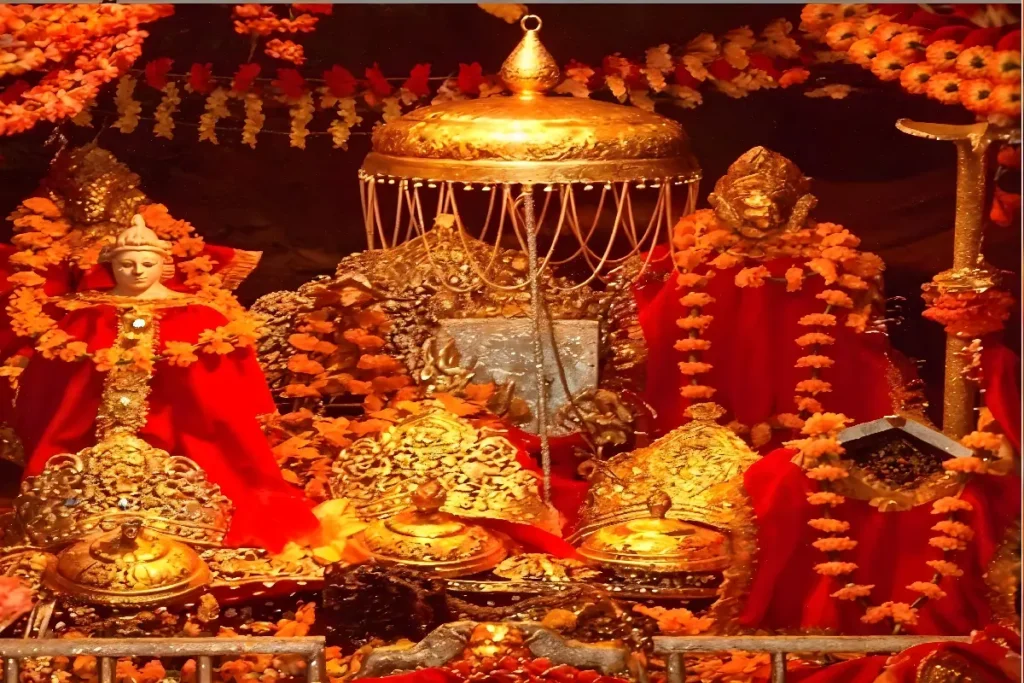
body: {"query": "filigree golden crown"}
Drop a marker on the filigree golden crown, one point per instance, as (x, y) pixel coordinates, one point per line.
(699, 466)
(121, 477)
(477, 468)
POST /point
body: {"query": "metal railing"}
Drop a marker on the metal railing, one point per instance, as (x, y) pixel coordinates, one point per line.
(107, 650)
(777, 647)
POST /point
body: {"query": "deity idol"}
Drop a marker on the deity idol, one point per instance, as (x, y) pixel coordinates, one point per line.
(767, 314)
(145, 362)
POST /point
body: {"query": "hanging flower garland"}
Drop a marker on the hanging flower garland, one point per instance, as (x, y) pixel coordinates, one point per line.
(972, 61)
(822, 456)
(260, 21)
(45, 239)
(78, 47)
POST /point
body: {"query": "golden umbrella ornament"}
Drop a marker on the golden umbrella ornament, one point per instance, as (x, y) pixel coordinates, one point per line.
(511, 146)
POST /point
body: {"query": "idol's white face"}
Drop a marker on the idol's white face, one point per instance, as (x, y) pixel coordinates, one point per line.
(137, 271)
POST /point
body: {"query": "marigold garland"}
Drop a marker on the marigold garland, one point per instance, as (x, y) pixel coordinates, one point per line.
(254, 119)
(216, 109)
(128, 108)
(164, 126)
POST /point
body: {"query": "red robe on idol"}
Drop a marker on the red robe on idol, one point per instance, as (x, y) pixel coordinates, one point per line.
(206, 411)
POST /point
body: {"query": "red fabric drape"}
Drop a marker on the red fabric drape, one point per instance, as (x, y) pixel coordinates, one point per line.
(753, 351)
(891, 553)
(1000, 369)
(206, 411)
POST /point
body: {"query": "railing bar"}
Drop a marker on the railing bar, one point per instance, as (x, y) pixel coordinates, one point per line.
(778, 667)
(306, 646)
(11, 670)
(316, 667)
(795, 644)
(108, 667)
(676, 668)
(204, 669)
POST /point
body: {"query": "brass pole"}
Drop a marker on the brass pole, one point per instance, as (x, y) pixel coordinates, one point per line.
(537, 310)
(972, 143)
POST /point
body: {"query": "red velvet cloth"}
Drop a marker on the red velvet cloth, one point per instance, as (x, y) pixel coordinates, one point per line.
(753, 350)
(568, 491)
(206, 411)
(891, 553)
(1000, 369)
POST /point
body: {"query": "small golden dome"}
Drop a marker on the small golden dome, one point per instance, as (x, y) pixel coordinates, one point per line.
(531, 138)
(423, 537)
(128, 567)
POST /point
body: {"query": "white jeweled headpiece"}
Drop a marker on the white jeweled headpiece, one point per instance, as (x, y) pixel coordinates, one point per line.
(139, 237)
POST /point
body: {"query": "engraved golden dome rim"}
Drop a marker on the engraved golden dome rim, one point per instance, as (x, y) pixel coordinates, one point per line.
(650, 172)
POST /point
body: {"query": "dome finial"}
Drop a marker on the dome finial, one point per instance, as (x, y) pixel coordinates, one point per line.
(530, 69)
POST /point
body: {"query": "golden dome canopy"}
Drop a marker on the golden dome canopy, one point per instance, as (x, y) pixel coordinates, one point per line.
(530, 137)
(128, 567)
(424, 537)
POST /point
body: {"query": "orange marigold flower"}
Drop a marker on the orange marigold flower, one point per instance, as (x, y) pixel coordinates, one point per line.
(974, 62)
(301, 364)
(691, 280)
(829, 526)
(863, 51)
(825, 423)
(816, 16)
(725, 260)
(794, 76)
(106, 359)
(697, 391)
(717, 239)
(833, 544)
(852, 282)
(26, 278)
(1006, 99)
(976, 95)
(927, 589)
(687, 345)
(73, 351)
(52, 340)
(838, 254)
(694, 368)
(907, 44)
(818, 319)
(794, 279)
(942, 54)
(300, 391)
(968, 465)
(825, 268)
(814, 386)
(216, 341)
(983, 441)
(858, 321)
(814, 361)
(812, 338)
(957, 530)
(825, 498)
(760, 434)
(877, 614)
(751, 277)
(841, 35)
(888, 30)
(141, 358)
(43, 206)
(789, 421)
(303, 342)
(902, 613)
(696, 300)
(827, 473)
(946, 543)
(853, 591)
(944, 87)
(1004, 67)
(887, 65)
(180, 354)
(943, 506)
(835, 568)
(688, 259)
(945, 567)
(694, 322)
(915, 77)
(806, 404)
(816, 447)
